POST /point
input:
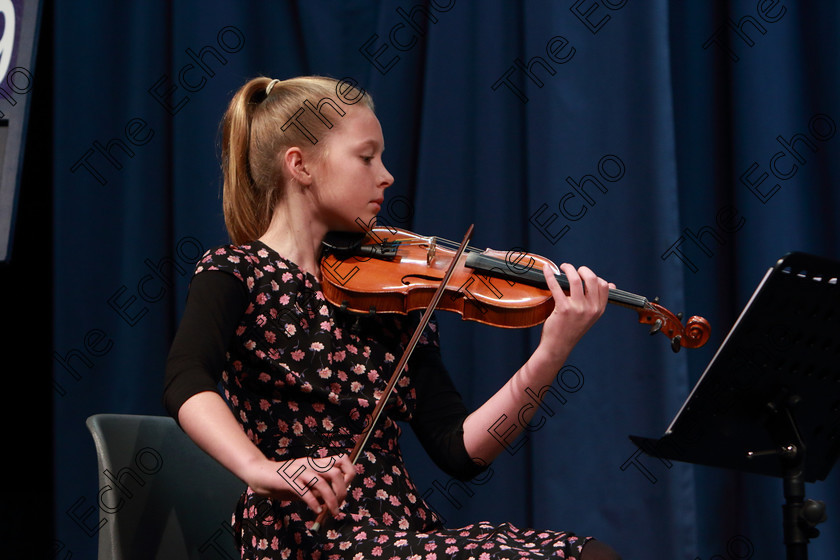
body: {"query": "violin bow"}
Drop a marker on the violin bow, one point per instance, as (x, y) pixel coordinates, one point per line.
(398, 370)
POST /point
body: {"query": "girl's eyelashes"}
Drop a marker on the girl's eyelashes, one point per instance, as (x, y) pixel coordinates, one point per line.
(367, 159)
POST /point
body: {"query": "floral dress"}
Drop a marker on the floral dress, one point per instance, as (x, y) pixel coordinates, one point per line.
(303, 378)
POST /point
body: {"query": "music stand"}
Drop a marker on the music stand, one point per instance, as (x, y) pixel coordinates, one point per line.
(772, 392)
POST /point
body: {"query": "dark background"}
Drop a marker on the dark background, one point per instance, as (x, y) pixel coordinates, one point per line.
(674, 101)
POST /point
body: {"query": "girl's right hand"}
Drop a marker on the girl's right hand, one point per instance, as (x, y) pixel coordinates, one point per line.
(317, 482)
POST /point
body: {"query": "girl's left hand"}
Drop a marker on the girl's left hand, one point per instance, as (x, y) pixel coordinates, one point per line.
(574, 313)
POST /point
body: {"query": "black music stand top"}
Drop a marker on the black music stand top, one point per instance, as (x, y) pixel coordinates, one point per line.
(774, 382)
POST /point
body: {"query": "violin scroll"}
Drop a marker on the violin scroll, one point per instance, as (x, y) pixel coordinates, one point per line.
(694, 334)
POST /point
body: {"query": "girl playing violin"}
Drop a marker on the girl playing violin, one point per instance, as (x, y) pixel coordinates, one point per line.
(302, 157)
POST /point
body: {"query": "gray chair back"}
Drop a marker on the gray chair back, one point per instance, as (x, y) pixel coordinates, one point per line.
(160, 496)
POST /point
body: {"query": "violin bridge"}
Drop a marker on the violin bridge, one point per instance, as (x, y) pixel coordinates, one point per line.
(430, 252)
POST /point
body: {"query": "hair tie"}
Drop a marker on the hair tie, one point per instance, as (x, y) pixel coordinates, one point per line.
(270, 86)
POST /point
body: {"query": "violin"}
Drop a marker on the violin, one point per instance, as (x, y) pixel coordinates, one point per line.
(389, 270)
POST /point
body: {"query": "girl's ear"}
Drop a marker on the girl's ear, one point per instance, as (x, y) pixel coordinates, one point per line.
(295, 162)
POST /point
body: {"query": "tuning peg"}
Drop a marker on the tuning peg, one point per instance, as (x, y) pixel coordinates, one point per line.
(675, 343)
(656, 327)
(680, 315)
(656, 299)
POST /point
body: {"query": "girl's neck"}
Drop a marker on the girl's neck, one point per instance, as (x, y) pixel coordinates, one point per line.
(296, 236)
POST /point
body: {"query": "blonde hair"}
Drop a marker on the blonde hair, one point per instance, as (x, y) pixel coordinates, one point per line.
(262, 121)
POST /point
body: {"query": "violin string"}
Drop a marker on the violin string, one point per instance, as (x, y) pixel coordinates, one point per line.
(617, 294)
(439, 241)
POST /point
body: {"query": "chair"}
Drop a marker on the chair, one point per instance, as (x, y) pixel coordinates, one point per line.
(160, 496)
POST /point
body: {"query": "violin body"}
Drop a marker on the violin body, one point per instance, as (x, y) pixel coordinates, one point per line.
(390, 270)
(405, 280)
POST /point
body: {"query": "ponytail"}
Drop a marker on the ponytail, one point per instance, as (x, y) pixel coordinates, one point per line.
(252, 140)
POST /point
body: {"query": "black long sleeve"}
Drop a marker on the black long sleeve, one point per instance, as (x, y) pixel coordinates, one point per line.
(215, 304)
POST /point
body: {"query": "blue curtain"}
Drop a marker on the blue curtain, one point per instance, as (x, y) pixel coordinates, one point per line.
(678, 149)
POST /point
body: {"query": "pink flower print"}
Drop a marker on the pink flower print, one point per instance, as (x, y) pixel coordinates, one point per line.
(261, 427)
(250, 283)
(339, 355)
(274, 286)
(274, 354)
(381, 494)
(430, 546)
(373, 375)
(357, 493)
(310, 421)
(261, 299)
(316, 346)
(264, 404)
(342, 375)
(250, 345)
(355, 386)
(387, 519)
(270, 337)
(401, 542)
(361, 535)
(290, 329)
(396, 502)
(387, 479)
(327, 424)
(298, 355)
(297, 428)
(286, 276)
(366, 353)
(325, 373)
(233, 259)
(403, 524)
(306, 387)
(324, 310)
(284, 299)
(451, 550)
(325, 326)
(389, 357)
(377, 550)
(240, 330)
(352, 349)
(359, 368)
(265, 378)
